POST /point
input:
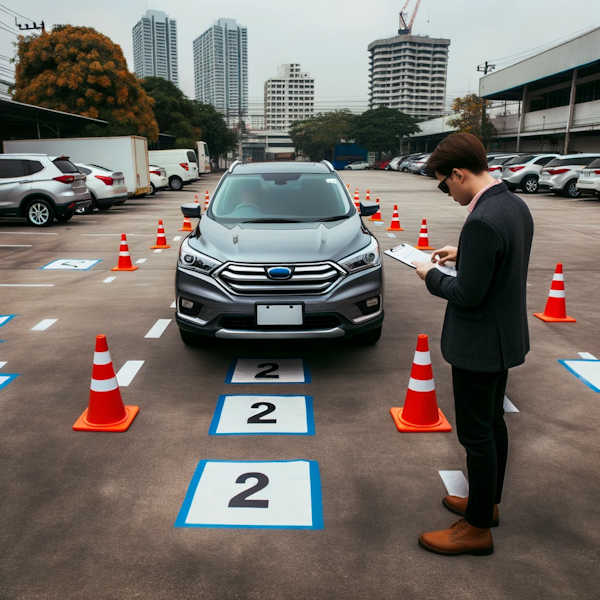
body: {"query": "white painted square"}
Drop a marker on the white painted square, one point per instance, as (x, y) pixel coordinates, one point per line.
(158, 328)
(263, 414)
(456, 483)
(268, 370)
(73, 264)
(289, 491)
(586, 370)
(44, 324)
(128, 371)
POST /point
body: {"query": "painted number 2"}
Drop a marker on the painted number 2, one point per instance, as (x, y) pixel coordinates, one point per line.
(270, 407)
(241, 500)
(268, 372)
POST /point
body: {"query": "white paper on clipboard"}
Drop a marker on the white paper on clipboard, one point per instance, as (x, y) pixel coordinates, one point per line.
(409, 255)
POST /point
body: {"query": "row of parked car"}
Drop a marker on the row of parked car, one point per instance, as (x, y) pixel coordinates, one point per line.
(571, 175)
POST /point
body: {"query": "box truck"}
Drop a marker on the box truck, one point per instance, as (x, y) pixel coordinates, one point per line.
(128, 154)
(203, 157)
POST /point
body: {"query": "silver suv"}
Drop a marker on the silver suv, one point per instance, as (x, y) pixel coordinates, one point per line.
(560, 175)
(40, 188)
(281, 253)
(524, 171)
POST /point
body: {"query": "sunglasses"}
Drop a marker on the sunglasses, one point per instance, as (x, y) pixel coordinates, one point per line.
(443, 186)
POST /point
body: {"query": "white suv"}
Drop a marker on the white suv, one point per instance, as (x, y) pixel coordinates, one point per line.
(106, 187)
(589, 180)
(180, 165)
(560, 175)
(524, 171)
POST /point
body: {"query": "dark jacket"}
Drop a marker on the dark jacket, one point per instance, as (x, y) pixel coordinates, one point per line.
(485, 327)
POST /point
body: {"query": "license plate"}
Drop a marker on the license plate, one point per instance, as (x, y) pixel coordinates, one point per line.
(279, 314)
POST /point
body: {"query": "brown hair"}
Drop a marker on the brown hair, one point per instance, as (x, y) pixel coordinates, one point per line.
(458, 151)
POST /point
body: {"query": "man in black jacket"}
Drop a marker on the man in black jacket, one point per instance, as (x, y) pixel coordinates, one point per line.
(485, 330)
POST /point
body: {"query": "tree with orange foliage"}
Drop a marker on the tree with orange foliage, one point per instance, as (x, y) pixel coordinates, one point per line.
(472, 117)
(79, 70)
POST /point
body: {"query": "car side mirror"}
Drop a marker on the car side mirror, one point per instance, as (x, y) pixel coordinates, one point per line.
(193, 211)
(366, 210)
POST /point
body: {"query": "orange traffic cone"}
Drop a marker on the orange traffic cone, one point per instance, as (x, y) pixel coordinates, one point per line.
(161, 238)
(556, 305)
(187, 224)
(196, 199)
(368, 196)
(105, 411)
(420, 411)
(377, 215)
(395, 224)
(423, 243)
(357, 200)
(124, 263)
(206, 200)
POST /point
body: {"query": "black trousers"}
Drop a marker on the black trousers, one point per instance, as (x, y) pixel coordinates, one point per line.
(479, 404)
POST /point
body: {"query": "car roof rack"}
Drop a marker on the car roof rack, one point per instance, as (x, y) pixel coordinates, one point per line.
(328, 165)
(234, 164)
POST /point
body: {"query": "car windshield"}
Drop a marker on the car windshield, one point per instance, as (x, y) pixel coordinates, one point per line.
(500, 160)
(573, 161)
(519, 160)
(281, 197)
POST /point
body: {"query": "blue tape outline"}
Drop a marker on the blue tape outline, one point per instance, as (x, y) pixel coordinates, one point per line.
(231, 371)
(96, 261)
(578, 375)
(10, 318)
(315, 497)
(11, 377)
(310, 418)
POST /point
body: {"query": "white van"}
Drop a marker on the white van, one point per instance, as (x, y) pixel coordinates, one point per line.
(203, 157)
(181, 165)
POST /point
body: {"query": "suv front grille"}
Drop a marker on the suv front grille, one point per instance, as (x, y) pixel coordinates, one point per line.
(306, 278)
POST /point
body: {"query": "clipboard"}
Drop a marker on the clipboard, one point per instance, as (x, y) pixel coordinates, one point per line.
(408, 254)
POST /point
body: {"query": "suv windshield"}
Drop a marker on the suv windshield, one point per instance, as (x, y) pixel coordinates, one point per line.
(519, 160)
(574, 160)
(281, 197)
(595, 164)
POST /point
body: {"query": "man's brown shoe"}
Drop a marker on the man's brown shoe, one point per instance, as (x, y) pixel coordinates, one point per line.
(458, 506)
(461, 538)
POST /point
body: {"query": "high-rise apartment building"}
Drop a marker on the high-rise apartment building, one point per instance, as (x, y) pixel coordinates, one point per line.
(408, 72)
(289, 97)
(155, 46)
(221, 69)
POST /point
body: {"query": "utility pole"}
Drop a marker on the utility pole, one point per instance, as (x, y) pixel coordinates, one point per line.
(28, 27)
(485, 69)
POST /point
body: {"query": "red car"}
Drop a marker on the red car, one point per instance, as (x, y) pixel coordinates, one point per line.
(381, 164)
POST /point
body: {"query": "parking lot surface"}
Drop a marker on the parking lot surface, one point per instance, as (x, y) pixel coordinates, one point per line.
(93, 515)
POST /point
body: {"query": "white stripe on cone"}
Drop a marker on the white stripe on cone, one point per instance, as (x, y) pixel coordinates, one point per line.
(557, 294)
(422, 358)
(558, 277)
(102, 358)
(104, 385)
(420, 385)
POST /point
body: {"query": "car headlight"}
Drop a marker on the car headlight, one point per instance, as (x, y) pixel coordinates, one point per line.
(196, 261)
(363, 259)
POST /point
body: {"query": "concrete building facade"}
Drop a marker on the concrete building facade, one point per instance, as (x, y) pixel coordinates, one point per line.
(409, 72)
(289, 97)
(221, 69)
(155, 46)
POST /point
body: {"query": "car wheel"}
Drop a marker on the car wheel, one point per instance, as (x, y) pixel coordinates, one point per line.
(153, 189)
(175, 183)
(571, 189)
(192, 339)
(530, 184)
(370, 338)
(66, 216)
(39, 213)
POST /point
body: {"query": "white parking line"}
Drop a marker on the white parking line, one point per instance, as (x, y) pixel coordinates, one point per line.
(158, 328)
(26, 285)
(109, 279)
(128, 371)
(392, 235)
(587, 356)
(15, 245)
(455, 482)
(173, 305)
(176, 238)
(509, 407)
(158, 251)
(105, 234)
(44, 324)
(2, 363)
(27, 233)
(141, 261)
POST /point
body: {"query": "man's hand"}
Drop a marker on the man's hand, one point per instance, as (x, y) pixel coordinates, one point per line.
(444, 254)
(423, 268)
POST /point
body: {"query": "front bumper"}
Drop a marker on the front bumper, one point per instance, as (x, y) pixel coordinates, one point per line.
(338, 313)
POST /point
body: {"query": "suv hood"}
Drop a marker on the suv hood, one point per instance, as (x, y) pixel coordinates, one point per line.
(280, 242)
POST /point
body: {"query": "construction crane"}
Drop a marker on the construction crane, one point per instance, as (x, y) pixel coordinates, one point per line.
(404, 27)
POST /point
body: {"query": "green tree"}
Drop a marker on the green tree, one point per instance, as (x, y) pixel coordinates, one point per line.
(78, 70)
(381, 129)
(316, 137)
(471, 117)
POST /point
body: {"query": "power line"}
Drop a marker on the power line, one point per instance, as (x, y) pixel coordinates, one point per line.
(8, 30)
(14, 12)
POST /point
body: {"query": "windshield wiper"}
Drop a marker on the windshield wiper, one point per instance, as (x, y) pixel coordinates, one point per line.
(272, 221)
(338, 218)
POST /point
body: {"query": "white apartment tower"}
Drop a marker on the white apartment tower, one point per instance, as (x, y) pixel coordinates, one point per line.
(155, 46)
(408, 72)
(289, 97)
(221, 69)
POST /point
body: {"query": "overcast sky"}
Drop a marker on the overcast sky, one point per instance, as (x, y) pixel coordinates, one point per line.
(329, 39)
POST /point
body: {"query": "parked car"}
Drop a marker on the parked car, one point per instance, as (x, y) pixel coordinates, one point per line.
(418, 164)
(560, 174)
(281, 253)
(589, 179)
(524, 171)
(180, 164)
(40, 188)
(496, 165)
(158, 179)
(394, 164)
(358, 165)
(106, 187)
(381, 164)
(406, 161)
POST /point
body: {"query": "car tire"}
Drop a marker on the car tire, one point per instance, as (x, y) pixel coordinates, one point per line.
(192, 339)
(153, 189)
(570, 189)
(175, 183)
(65, 217)
(530, 184)
(39, 213)
(370, 338)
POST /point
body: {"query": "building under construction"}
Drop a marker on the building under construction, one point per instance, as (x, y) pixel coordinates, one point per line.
(408, 72)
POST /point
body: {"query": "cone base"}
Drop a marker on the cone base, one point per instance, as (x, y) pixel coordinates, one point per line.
(159, 247)
(404, 426)
(548, 319)
(395, 229)
(424, 248)
(132, 268)
(188, 229)
(377, 220)
(82, 425)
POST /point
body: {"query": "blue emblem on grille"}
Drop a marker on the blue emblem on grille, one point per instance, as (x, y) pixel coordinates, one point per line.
(279, 273)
